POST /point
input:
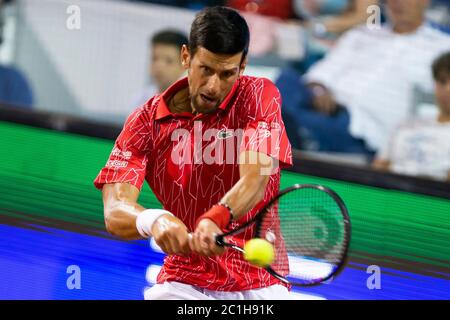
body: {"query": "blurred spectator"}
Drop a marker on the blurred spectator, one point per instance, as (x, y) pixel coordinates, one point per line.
(14, 87)
(165, 66)
(191, 4)
(282, 9)
(333, 16)
(439, 12)
(352, 99)
(200, 4)
(325, 20)
(421, 146)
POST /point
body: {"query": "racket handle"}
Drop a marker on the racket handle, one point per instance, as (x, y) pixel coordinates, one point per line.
(219, 240)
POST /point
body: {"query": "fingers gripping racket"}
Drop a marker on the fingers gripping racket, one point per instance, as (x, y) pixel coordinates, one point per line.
(315, 229)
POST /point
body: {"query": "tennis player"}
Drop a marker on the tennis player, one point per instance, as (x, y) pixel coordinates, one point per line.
(210, 147)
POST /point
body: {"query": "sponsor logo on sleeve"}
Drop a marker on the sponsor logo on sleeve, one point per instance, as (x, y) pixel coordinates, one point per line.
(116, 164)
(126, 155)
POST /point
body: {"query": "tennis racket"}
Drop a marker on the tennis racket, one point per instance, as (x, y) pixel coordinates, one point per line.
(315, 229)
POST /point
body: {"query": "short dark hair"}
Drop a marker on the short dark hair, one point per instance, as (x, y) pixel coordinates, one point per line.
(220, 30)
(170, 37)
(441, 67)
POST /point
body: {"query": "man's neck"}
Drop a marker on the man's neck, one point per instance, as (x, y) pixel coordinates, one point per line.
(403, 28)
(180, 102)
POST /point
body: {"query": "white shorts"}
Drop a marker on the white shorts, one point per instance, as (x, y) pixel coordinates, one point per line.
(181, 291)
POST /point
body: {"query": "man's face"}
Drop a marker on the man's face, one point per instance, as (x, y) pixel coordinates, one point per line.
(165, 67)
(443, 93)
(211, 77)
(406, 11)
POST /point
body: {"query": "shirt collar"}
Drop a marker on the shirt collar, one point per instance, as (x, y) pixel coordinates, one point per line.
(163, 111)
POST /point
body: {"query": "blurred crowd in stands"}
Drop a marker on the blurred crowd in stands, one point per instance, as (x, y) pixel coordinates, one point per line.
(14, 86)
(372, 83)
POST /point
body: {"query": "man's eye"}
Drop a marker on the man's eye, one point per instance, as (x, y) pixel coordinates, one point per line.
(206, 70)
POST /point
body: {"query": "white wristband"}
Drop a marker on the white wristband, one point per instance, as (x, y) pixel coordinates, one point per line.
(146, 219)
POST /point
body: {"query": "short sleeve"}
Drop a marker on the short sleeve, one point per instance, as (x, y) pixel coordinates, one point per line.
(128, 160)
(264, 129)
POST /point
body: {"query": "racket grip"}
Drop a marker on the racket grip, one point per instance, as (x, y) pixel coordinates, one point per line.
(219, 240)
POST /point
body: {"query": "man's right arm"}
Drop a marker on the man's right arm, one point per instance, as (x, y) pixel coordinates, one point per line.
(121, 212)
(322, 76)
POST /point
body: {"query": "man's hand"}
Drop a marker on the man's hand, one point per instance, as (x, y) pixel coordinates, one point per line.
(381, 164)
(171, 235)
(323, 99)
(203, 240)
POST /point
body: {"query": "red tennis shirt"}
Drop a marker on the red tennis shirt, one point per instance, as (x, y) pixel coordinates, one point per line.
(190, 162)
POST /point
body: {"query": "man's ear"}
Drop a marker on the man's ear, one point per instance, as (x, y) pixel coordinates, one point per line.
(242, 66)
(185, 57)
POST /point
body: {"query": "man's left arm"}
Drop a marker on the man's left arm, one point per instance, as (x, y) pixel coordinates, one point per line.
(242, 197)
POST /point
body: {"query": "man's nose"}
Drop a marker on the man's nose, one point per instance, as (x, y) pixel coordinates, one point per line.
(213, 85)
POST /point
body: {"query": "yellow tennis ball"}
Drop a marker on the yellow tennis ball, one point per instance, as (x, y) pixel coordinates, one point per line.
(259, 252)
